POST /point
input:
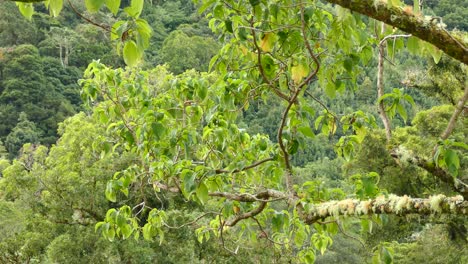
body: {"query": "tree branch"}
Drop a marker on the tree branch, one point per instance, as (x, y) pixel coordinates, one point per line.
(105, 27)
(397, 205)
(251, 166)
(263, 196)
(456, 184)
(380, 87)
(249, 214)
(420, 27)
(453, 120)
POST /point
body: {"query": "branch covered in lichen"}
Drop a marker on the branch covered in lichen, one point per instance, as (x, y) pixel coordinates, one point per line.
(429, 30)
(396, 205)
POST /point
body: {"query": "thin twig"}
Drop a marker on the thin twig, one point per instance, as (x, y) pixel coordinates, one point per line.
(219, 171)
(105, 27)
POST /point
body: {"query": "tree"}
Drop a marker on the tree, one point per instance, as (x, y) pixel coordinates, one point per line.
(27, 86)
(183, 129)
(24, 132)
(183, 52)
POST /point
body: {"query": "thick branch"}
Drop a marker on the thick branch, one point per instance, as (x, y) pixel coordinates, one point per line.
(397, 205)
(457, 185)
(426, 30)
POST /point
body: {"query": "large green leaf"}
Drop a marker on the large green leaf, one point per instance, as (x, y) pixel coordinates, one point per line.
(93, 5)
(131, 54)
(113, 6)
(26, 9)
(55, 6)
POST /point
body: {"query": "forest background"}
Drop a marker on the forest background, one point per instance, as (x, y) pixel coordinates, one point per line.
(54, 178)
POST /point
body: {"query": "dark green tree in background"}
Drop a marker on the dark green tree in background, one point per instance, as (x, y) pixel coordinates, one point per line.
(24, 132)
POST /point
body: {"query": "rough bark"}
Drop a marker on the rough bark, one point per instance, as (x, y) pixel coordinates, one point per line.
(426, 29)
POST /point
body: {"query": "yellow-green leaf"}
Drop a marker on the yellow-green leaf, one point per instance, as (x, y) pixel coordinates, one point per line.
(93, 5)
(26, 9)
(413, 45)
(268, 41)
(202, 193)
(113, 6)
(55, 6)
(131, 54)
(298, 72)
(137, 7)
(435, 53)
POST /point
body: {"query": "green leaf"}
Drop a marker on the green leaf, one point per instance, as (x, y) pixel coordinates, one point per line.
(242, 33)
(189, 182)
(318, 121)
(307, 131)
(118, 29)
(93, 5)
(413, 45)
(110, 192)
(55, 6)
(254, 2)
(228, 25)
(299, 238)
(137, 6)
(387, 256)
(218, 11)
(460, 144)
(113, 6)
(348, 65)
(330, 89)
(293, 146)
(147, 232)
(435, 53)
(131, 54)
(202, 193)
(126, 231)
(269, 66)
(98, 225)
(452, 161)
(277, 222)
(402, 111)
(158, 130)
(26, 9)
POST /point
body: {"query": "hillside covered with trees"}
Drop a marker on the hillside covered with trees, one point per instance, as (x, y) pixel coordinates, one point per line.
(220, 131)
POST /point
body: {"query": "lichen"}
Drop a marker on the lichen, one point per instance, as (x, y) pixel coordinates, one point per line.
(351, 206)
(454, 201)
(402, 203)
(334, 209)
(323, 211)
(363, 208)
(435, 202)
